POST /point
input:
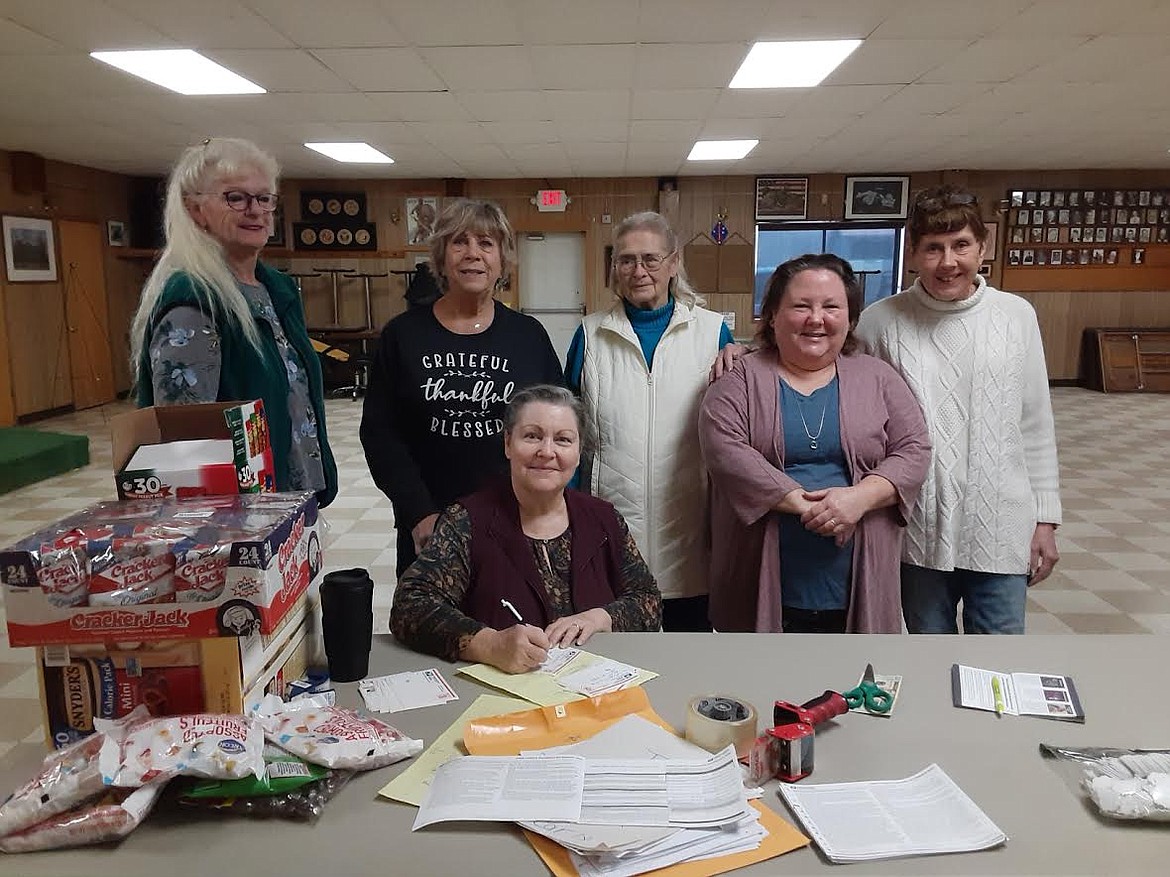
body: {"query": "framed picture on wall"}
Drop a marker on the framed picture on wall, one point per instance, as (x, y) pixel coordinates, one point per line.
(780, 199)
(876, 197)
(29, 252)
(421, 214)
(989, 247)
(115, 233)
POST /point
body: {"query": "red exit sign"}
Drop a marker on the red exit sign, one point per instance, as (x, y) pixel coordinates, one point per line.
(551, 200)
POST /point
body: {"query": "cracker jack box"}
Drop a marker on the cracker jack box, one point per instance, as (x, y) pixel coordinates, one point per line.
(163, 569)
(192, 450)
(79, 683)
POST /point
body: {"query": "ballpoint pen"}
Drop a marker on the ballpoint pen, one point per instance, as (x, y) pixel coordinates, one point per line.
(507, 605)
(997, 689)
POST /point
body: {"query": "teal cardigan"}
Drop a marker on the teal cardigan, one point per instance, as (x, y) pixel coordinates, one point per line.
(246, 373)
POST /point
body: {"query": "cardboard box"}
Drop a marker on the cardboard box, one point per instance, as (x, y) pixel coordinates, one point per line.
(151, 570)
(221, 675)
(175, 467)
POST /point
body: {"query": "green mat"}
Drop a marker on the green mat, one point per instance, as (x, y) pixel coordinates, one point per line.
(29, 455)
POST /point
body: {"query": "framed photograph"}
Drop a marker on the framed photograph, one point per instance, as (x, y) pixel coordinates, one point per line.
(876, 197)
(1017, 235)
(1074, 234)
(29, 252)
(1013, 257)
(1037, 217)
(1111, 256)
(1063, 216)
(1045, 198)
(421, 214)
(991, 244)
(1074, 199)
(985, 269)
(1055, 257)
(1090, 196)
(276, 239)
(1163, 235)
(1070, 257)
(1100, 234)
(1041, 257)
(1083, 257)
(781, 199)
(1058, 199)
(1052, 235)
(1138, 256)
(116, 233)
(1029, 198)
(1017, 198)
(1037, 235)
(1029, 257)
(1023, 216)
(1098, 255)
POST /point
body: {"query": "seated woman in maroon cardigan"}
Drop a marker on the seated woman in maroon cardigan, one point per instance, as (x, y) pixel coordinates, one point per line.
(562, 561)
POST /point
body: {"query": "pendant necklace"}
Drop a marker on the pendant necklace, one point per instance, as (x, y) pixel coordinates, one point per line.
(812, 439)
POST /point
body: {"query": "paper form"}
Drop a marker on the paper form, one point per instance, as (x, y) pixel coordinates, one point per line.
(504, 789)
(920, 815)
(1049, 695)
(557, 659)
(542, 689)
(410, 786)
(406, 691)
(600, 677)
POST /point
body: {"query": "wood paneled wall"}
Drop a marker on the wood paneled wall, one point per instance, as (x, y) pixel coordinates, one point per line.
(34, 355)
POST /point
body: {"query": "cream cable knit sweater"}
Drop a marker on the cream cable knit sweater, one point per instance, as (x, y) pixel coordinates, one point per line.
(977, 367)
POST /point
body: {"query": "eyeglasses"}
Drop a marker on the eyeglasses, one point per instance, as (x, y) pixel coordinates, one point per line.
(947, 199)
(240, 201)
(627, 263)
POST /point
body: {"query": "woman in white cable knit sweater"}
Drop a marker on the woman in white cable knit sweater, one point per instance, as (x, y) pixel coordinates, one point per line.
(984, 527)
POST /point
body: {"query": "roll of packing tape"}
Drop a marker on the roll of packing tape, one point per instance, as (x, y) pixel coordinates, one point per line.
(714, 721)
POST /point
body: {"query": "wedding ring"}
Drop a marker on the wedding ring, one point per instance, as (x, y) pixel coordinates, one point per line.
(832, 522)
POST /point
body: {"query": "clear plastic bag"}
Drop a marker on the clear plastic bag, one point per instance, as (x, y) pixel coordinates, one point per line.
(1121, 783)
(304, 804)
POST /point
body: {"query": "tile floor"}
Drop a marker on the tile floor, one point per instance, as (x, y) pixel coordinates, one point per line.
(1113, 577)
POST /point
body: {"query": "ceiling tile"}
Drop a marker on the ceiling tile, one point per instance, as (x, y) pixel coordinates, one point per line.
(818, 20)
(579, 66)
(443, 134)
(208, 24)
(552, 22)
(672, 130)
(313, 24)
(287, 70)
(381, 69)
(17, 40)
(678, 66)
(879, 62)
(584, 106)
(1057, 18)
(835, 100)
(698, 21)
(506, 106)
(457, 22)
(678, 103)
(1001, 59)
(318, 107)
(521, 132)
(596, 130)
(482, 68)
(87, 25)
(916, 19)
(417, 106)
(919, 98)
(753, 103)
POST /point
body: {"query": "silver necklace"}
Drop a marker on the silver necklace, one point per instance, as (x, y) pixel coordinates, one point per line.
(812, 439)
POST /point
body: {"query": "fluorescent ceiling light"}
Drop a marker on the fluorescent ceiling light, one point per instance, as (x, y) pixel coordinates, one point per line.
(181, 70)
(720, 150)
(794, 64)
(352, 153)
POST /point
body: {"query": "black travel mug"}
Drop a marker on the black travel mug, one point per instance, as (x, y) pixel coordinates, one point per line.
(347, 621)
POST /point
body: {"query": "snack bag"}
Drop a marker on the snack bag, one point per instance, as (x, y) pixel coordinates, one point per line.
(68, 777)
(333, 736)
(112, 816)
(200, 571)
(64, 575)
(131, 572)
(201, 745)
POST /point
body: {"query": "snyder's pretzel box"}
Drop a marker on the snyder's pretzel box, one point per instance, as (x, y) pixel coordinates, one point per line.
(163, 569)
(79, 683)
(192, 450)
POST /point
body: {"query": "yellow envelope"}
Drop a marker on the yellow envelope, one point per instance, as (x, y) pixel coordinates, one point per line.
(572, 722)
(410, 786)
(540, 688)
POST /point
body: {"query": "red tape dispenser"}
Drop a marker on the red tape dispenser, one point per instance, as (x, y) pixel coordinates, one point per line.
(785, 751)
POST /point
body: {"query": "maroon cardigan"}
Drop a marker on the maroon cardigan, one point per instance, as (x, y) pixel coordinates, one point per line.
(883, 433)
(502, 565)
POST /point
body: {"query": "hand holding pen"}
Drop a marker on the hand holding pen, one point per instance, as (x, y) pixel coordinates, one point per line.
(519, 648)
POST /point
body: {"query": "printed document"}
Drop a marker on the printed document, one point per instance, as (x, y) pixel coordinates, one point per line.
(1049, 695)
(406, 691)
(487, 788)
(917, 816)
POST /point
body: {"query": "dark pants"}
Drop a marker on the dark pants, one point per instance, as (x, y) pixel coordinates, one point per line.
(685, 615)
(813, 620)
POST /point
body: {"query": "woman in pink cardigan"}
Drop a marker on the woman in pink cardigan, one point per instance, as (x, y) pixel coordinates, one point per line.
(816, 454)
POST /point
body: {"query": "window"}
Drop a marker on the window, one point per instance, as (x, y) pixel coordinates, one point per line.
(875, 249)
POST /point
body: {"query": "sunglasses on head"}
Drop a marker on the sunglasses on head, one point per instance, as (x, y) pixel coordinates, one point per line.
(948, 199)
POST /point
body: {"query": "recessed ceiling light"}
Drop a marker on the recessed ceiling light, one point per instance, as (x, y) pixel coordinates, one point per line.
(794, 64)
(720, 150)
(352, 153)
(181, 70)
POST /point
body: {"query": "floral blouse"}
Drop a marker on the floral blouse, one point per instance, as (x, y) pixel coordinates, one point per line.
(185, 360)
(426, 614)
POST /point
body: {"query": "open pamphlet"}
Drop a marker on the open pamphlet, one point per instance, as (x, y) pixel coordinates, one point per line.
(921, 815)
(1048, 695)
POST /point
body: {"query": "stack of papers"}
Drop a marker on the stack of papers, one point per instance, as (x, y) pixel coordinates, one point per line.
(921, 815)
(633, 798)
(566, 675)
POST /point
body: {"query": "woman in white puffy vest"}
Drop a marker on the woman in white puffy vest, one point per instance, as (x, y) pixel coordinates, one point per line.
(641, 368)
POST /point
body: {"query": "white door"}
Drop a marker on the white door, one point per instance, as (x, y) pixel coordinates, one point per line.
(552, 284)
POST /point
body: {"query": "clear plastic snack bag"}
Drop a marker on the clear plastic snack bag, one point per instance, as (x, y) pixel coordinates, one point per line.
(333, 736)
(67, 778)
(112, 816)
(201, 745)
(1121, 783)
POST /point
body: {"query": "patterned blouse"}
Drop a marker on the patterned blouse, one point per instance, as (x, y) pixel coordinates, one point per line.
(426, 614)
(185, 363)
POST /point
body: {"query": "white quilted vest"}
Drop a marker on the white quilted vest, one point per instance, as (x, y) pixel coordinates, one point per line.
(648, 462)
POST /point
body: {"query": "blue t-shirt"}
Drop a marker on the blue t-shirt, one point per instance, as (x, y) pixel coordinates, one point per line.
(814, 572)
(648, 326)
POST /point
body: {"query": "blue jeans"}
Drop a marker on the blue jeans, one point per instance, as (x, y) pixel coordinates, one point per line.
(992, 602)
